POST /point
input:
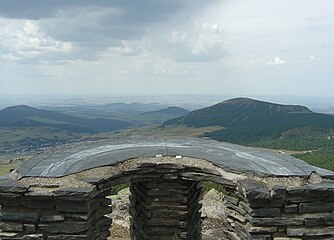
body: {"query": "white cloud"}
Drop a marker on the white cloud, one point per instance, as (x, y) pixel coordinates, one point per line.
(204, 43)
(276, 61)
(23, 39)
(126, 49)
(211, 28)
(10, 57)
(163, 44)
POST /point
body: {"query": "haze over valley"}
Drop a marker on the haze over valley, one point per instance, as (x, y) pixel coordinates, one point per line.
(291, 129)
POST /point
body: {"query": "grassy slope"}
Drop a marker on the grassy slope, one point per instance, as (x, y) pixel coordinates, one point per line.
(8, 162)
(254, 123)
(323, 158)
(156, 130)
(22, 137)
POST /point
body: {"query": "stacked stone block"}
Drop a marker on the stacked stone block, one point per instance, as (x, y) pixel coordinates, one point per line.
(68, 213)
(165, 209)
(164, 205)
(280, 213)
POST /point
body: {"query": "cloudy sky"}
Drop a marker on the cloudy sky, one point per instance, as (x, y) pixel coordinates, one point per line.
(152, 47)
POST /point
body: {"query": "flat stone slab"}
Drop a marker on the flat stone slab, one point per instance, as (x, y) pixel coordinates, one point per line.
(9, 185)
(230, 157)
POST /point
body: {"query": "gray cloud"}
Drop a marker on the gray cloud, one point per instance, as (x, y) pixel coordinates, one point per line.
(132, 45)
(92, 28)
(38, 9)
(86, 25)
(92, 23)
(84, 20)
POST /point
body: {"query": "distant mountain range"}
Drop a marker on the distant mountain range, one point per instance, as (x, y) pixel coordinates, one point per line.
(25, 116)
(248, 121)
(28, 128)
(243, 121)
(134, 106)
(135, 113)
(169, 110)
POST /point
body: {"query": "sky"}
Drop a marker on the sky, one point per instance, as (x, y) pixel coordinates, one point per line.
(153, 47)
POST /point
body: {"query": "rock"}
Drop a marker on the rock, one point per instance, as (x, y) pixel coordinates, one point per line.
(64, 227)
(254, 190)
(76, 193)
(213, 206)
(12, 186)
(316, 207)
(9, 199)
(72, 206)
(215, 234)
(120, 206)
(52, 217)
(315, 232)
(313, 190)
(17, 215)
(11, 226)
(292, 208)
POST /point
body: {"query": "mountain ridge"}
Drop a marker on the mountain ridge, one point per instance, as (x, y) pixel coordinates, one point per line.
(248, 121)
(234, 110)
(169, 110)
(23, 115)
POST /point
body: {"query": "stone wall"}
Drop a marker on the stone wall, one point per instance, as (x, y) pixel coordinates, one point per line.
(68, 213)
(165, 200)
(165, 209)
(254, 211)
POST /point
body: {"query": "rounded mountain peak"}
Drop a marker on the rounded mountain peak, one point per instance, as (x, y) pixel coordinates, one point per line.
(251, 104)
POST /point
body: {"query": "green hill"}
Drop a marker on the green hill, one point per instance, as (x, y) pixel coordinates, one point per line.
(237, 111)
(251, 122)
(262, 124)
(28, 129)
(25, 116)
(169, 110)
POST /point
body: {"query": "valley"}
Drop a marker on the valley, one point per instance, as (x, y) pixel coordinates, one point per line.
(288, 129)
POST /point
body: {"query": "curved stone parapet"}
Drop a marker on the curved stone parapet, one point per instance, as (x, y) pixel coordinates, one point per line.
(63, 194)
(231, 157)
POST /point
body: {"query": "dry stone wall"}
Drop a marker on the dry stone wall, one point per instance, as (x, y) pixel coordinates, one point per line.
(254, 211)
(164, 205)
(69, 213)
(165, 210)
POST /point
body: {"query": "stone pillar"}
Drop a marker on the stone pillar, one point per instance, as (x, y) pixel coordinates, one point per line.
(102, 223)
(165, 209)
